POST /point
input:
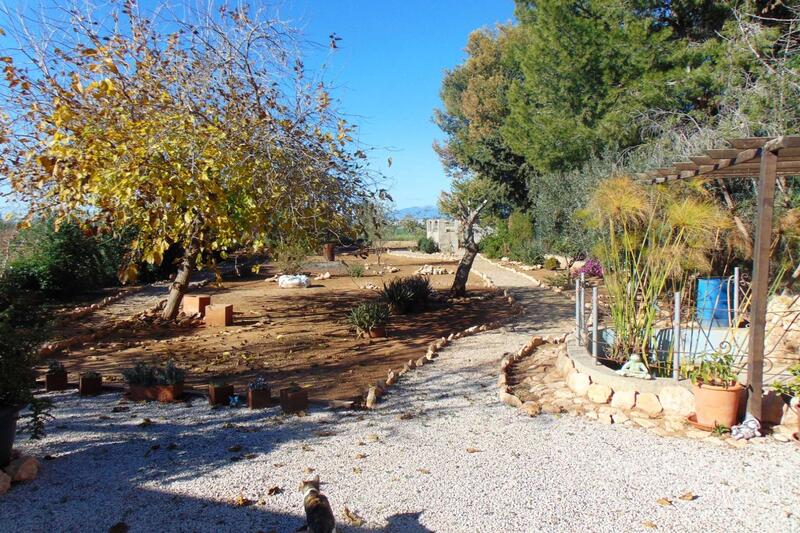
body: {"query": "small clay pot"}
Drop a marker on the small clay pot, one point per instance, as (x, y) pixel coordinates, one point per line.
(258, 399)
(55, 381)
(158, 393)
(716, 405)
(294, 399)
(219, 394)
(377, 332)
(90, 385)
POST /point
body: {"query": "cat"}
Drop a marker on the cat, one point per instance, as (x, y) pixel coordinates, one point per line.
(319, 516)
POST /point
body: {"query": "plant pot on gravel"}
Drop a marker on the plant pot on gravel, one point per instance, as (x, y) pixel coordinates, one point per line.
(90, 384)
(258, 394)
(8, 430)
(370, 319)
(790, 391)
(219, 393)
(716, 391)
(56, 377)
(154, 383)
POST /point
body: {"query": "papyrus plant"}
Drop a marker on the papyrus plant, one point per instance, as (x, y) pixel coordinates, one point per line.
(651, 237)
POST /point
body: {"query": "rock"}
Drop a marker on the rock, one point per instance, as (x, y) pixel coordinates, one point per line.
(619, 417)
(579, 383)
(648, 403)
(22, 469)
(510, 399)
(674, 424)
(624, 399)
(552, 409)
(644, 422)
(531, 408)
(789, 417)
(605, 418)
(564, 364)
(5, 483)
(676, 400)
(563, 394)
(372, 398)
(777, 436)
(598, 393)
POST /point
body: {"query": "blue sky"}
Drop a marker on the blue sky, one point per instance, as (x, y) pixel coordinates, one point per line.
(388, 71)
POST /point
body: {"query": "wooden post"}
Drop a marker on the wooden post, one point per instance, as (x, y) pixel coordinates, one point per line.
(758, 309)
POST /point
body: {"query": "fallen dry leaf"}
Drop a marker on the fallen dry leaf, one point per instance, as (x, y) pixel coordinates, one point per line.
(352, 517)
(356, 470)
(325, 433)
(274, 490)
(472, 450)
(650, 525)
(687, 496)
(664, 501)
(235, 448)
(309, 470)
(361, 456)
(241, 501)
(146, 422)
(423, 470)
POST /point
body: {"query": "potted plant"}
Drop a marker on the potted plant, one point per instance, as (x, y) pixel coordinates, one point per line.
(90, 384)
(790, 390)
(146, 382)
(716, 391)
(258, 393)
(370, 319)
(219, 393)
(56, 377)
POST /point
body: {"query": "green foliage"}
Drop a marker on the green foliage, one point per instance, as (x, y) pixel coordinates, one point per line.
(790, 387)
(290, 258)
(55, 367)
(562, 280)
(63, 261)
(551, 263)
(369, 315)
(715, 369)
(427, 245)
(408, 295)
(355, 271)
(148, 375)
(90, 374)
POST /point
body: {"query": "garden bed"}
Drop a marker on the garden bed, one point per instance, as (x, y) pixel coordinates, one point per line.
(296, 335)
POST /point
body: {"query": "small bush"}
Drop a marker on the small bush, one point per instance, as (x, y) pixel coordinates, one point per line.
(427, 245)
(355, 271)
(551, 263)
(407, 295)
(592, 268)
(562, 281)
(368, 316)
(147, 375)
(291, 258)
(530, 252)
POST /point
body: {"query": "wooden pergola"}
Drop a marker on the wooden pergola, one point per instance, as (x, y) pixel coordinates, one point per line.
(767, 159)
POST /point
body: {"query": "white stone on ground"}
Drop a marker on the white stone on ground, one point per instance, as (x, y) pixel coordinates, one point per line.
(440, 452)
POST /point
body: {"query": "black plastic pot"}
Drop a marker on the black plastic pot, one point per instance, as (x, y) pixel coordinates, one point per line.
(8, 430)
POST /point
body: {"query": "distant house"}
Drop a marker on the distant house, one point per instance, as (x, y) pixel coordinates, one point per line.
(447, 233)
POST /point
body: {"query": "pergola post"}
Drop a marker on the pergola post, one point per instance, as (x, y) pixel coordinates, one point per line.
(758, 310)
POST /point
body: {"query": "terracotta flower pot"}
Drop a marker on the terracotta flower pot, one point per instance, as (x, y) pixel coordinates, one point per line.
(294, 399)
(90, 385)
(8, 430)
(55, 381)
(377, 332)
(258, 399)
(219, 394)
(716, 405)
(159, 393)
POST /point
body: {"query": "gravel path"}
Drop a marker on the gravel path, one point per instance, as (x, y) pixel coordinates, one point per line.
(439, 454)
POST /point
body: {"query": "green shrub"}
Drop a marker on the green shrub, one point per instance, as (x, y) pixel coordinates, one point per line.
(427, 245)
(290, 258)
(530, 252)
(368, 316)
(408, 295)
(147, 375)
(355, 271)
(551, 263)
(561, 280)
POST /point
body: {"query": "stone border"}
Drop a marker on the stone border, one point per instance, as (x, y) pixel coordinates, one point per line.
(80, 312)
(535, 282)
(505, 393)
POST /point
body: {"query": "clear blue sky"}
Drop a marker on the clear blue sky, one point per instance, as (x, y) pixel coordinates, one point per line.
(386, 73)
(388, 70)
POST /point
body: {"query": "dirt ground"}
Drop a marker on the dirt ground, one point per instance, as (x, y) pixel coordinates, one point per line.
(293, 335)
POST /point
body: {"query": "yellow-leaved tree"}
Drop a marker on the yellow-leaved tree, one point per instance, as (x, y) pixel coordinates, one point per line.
(202, 131)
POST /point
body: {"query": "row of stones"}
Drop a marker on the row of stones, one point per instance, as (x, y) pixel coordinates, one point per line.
(505, 393)
(150, 314)
(82, 311)
(374, 392)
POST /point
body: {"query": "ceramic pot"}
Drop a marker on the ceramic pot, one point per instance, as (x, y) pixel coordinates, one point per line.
(90, 386)
(377, 332)
(219, 394)
(258, 399)
(716, 405)
(55, 381)
(159, 393)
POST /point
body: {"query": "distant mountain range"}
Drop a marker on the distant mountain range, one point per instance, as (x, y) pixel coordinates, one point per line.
(418, 213)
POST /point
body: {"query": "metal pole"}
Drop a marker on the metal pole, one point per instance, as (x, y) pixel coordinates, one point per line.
(583, 305)
(577, 311)
(676, 339)
(736, 297)
(595, 328)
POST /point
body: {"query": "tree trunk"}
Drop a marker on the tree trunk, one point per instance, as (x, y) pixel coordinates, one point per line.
(180, 285)
(459, 287)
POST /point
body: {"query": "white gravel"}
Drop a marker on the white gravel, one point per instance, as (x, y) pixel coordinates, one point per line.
(541, 474)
